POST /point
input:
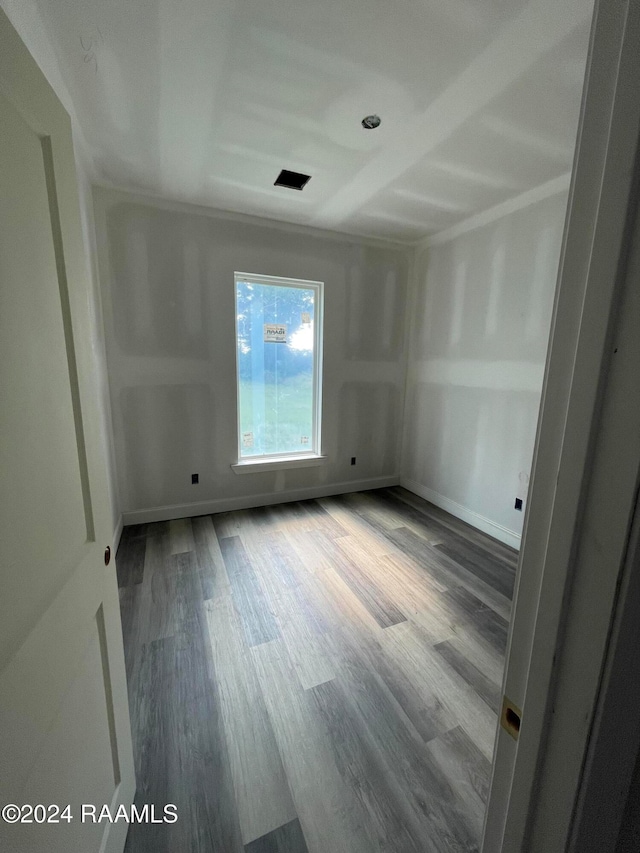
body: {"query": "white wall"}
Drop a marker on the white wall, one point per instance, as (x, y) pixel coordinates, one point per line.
(166, 273)
(483, 302)
(97, 339)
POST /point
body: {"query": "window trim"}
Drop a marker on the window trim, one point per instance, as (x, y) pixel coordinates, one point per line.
(278, 463)
(294, 459)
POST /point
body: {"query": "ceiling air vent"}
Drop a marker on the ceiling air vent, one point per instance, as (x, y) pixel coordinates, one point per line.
(292, 180)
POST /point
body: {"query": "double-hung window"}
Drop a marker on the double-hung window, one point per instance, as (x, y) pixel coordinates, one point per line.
(279, 358)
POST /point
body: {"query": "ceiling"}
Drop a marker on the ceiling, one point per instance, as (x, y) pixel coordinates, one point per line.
(207, 100)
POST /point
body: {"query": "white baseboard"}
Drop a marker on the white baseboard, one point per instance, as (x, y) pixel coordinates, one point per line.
(481, 522)
(166, 513)
(117, 534)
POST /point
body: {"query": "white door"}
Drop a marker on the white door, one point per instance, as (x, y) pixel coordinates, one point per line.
(64, 725)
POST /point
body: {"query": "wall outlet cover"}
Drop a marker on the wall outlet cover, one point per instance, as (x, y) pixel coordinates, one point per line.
(519, 504)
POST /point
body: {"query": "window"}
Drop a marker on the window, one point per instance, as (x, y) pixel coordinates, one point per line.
(279, 355)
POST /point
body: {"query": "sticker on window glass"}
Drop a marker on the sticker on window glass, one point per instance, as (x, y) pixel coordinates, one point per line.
(304, 439)
(275, 333)
(247, 439)
(306, 317)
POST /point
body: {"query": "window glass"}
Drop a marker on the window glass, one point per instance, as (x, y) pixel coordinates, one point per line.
(277, 385)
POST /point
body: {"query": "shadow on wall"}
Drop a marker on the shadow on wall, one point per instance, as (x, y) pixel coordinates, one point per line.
(370, 423)
(159, 283)
(375, 311)
(170, 432)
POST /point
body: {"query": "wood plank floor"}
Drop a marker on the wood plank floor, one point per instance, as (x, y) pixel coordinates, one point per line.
(320, 676)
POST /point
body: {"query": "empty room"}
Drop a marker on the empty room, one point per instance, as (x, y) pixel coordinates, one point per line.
(280, 281)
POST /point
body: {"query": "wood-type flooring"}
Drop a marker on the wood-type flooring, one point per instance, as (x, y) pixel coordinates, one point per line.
(314, 677)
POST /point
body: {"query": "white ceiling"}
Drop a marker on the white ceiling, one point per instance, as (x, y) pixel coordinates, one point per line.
(206, 100)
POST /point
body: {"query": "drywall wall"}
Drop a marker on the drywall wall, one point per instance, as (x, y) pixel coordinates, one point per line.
(166, 273)
(26, 18)
(483, 303)
(97, 338)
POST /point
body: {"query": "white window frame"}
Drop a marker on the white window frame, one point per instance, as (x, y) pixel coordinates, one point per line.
(294, 459)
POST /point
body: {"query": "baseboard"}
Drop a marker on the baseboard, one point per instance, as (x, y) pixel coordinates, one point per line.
(481, 522)
(166, 513)
(117, 534)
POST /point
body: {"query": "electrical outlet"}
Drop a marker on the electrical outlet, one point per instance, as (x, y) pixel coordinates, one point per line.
(353, 460)
(195, 478)
(519, 504)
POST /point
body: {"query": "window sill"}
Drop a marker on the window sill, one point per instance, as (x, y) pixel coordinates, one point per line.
(278, 463)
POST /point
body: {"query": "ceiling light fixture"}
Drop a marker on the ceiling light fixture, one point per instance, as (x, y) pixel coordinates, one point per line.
(371, 122)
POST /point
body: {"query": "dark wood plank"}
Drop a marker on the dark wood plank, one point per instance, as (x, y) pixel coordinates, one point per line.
(450, 700)
(423, 711)
(449, 525)
(323, 520)
(340, 509)
(262, 796)
(250, 601)
(327, 808)
(467, 770)
(483, 686)
(424, 557)
(382, 517)
(159, 586)
(289, 516)
(383, 610)
(259, 516)
(431, 807)
(437, 565)
(128, 606)
(202, 782)
(271, 551)
(130, 555)
(492, 573)
(493, 629)
(181, 536)
(469, 611)
(300, 621)
(212, 573)
(285, 567)
(189, 760)
(286, 839)
(463, 604)
(365, 772)
(153, 743)
(180, 750)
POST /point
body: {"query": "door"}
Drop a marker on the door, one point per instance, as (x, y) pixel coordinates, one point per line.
(586, 462)
(64, 724)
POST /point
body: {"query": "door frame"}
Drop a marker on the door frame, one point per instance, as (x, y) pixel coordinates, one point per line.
(613, 755)
(585, 467)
